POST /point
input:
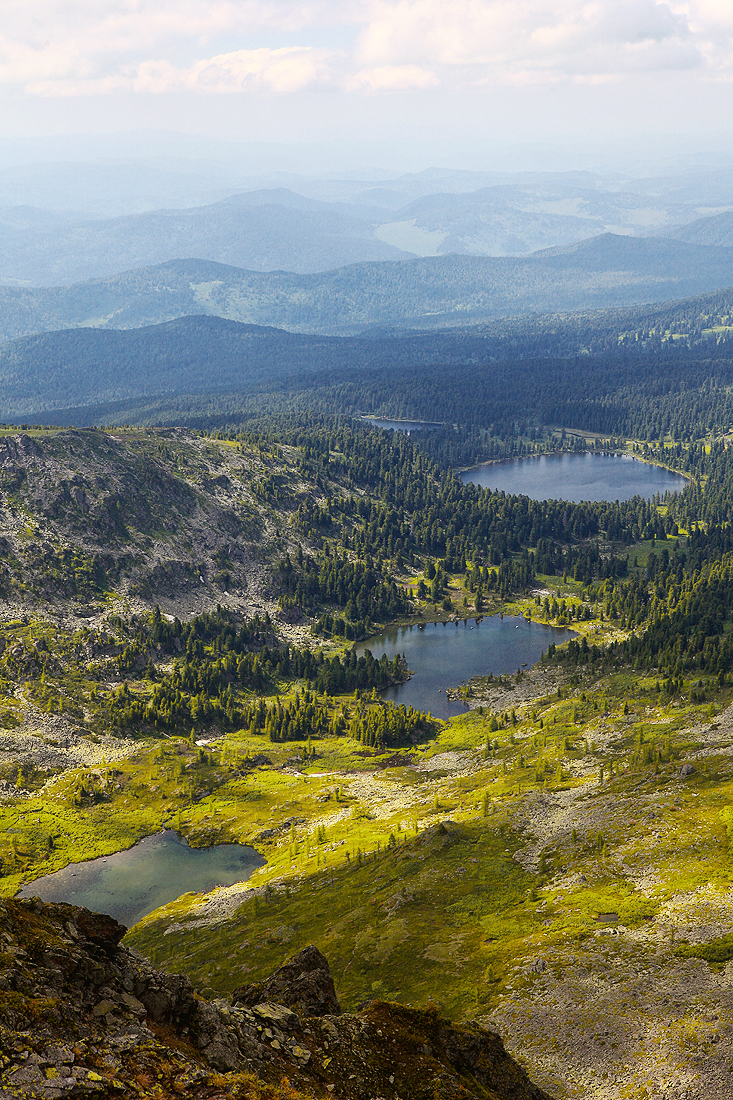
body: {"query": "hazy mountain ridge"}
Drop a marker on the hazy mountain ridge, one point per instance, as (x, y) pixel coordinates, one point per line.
(717, 229)
(86, 366)
(268, 237)
(180, 367)
(519, 218)
(303, 225)
(608, 271)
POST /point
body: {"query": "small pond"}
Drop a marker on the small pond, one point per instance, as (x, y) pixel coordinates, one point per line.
(128, 885)
(444, 655)
(407, 426)
(576, 477)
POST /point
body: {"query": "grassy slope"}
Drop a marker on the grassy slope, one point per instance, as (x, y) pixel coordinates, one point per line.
(498, 914)
(514, 934)
(493, 907)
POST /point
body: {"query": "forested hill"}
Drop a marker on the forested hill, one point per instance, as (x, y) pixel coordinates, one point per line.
(606, 271)
(619, 372)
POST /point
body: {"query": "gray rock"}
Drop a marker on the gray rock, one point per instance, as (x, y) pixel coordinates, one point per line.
(277, 1015)
(381, 1053)
(303, 983)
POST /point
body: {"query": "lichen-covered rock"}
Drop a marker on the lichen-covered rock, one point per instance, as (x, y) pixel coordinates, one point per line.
(303, 983)
(81, 1015)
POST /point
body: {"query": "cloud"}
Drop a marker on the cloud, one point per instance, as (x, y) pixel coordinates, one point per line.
(501, 39)
(289, 69)
(286, 70)
(81, 47)
(102, 44)
(394, 78)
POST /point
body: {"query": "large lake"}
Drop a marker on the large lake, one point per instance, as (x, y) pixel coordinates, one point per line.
(128, 885)
(576, 477)
(444, 655)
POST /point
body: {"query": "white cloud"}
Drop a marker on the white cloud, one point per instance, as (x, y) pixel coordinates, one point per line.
(290, 69)
(394, 78)
(104, 43)
(506, 38)
(76, 47)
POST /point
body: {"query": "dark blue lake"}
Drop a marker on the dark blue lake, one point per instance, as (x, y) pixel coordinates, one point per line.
(576, 477)
(443, 655)
(128, 885)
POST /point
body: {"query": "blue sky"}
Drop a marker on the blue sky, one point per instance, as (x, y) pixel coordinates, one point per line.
(454, 74)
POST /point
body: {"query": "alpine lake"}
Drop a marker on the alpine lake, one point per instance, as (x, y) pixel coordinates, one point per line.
(445, 654)
(130, 884)
(576, 477)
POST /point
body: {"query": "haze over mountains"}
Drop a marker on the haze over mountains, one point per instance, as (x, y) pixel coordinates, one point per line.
(88, 375)
(716, 230)
(429, 292)
(323, 258)
(67, 223)
(299, 235)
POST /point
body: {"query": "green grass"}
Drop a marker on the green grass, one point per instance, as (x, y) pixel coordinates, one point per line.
(432, 918)
(401, 908)
(717, 952)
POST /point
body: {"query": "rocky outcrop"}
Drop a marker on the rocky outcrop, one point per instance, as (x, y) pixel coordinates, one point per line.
(303, 983)
(81, 1015)
(160, 516)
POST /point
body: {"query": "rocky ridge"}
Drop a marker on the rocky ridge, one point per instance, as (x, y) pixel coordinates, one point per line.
(93, 521)
(81, 1015)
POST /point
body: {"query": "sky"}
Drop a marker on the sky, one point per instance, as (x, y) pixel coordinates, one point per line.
(425, 80)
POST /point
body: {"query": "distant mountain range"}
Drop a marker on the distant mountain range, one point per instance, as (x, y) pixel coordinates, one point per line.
(522, 217)
(716, 230)
(606, 271)
(255, 231)
(282, 229)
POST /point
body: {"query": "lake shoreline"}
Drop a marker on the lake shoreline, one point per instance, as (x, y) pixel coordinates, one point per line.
(134, 881)
(479, 645)
(576, 477)
(458, 470)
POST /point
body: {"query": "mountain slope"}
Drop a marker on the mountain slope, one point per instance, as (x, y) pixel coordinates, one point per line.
(88, 1016)
(607, 271)
(303, 236)
(716, 230)
(579, 367)
(192, 354)
(520, 217)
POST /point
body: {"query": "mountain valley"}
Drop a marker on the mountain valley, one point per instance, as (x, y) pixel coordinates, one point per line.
(179, 614)
(205, 542)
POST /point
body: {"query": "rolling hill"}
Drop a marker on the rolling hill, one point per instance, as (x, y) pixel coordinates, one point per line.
(606, 271)
(273, 228)
(715, 230)
(260, 230)
(541, 367)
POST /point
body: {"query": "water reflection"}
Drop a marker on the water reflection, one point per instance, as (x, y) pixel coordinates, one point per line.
(576, 477)
(128, 885)
(445, 655)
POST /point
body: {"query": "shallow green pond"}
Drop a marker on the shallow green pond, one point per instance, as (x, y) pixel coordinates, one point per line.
(128, 885)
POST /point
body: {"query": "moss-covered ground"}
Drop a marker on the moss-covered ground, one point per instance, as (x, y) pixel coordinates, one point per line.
(537, 852)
